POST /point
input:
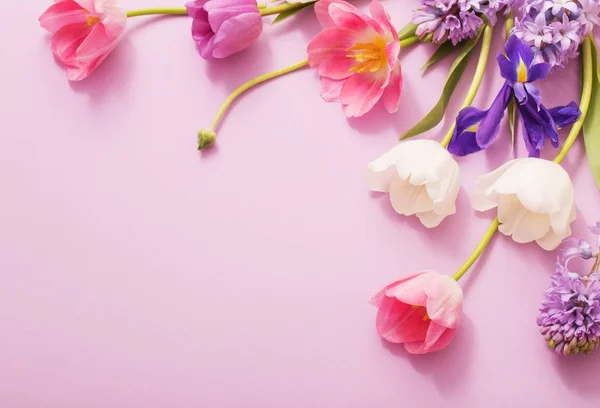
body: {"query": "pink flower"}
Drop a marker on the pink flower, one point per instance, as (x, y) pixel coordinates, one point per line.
(84, 33)
(223, 27)
(421, 310)
(356, 57)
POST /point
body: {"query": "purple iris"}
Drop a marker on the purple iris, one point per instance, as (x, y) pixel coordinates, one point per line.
(477, 129)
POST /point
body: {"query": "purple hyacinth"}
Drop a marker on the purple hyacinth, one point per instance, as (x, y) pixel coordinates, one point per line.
(569, 317)
(554, 29)
(456, 20)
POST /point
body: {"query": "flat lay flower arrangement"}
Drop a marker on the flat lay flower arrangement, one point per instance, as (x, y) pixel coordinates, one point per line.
(358, 58)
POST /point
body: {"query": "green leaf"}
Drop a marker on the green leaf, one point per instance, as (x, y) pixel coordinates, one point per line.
(442, 52)
(436, 114)
(286, 14)
(591, 124)
(408, 31)
(512, 119)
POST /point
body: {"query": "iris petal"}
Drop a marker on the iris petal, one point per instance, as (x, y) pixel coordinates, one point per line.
(463, 140)
(489, 126)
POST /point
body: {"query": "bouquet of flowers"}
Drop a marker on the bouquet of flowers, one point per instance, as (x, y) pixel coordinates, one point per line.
(357, 57)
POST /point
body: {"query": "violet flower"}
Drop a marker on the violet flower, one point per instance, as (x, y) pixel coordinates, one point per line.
(569, 317)
(477, 129)
(456, 20)
(554, 29)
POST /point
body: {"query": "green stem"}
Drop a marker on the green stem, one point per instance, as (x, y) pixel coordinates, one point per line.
(267, 11)
(478, 251)
(477, 78)
(586, 92)
(509, 23)
(584, 103)
(176, 11)
(253, 82)
(207, 136)
(180, 11)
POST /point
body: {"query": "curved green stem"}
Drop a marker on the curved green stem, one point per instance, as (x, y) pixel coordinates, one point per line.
(478, 251)
(180, 11)
(206, 137)
(509, 23)
(477, 78)
(253, 82)
(586, 92)
(175, 11)
(584, 103)
(267, 11)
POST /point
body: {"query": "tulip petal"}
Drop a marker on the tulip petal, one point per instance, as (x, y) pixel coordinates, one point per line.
(523, 225)
(237, 34)
(382, 294)
(412, 290)
(361, 92)
(391, 95)
(408, 199)
(484, 197)
(382, 17)
(551, 240)
(322, 12)
(431, 219)
(399, 322)
(62, 14)
(438, 338)
(444, 301)
(347, 16)
(327, 41)
(331, 89)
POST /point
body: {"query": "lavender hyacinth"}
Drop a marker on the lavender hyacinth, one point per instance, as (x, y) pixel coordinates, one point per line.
(554, 29)
(456, 20)
(570, 315)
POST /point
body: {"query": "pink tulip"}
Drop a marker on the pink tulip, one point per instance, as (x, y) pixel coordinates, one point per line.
(84, 33)
(356, 57)
(421, 310)
(223, 27)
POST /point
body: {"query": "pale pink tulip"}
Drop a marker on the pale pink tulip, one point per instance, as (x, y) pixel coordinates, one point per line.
(421, 311)
(84, 32)
(224, 27)
(356, 57)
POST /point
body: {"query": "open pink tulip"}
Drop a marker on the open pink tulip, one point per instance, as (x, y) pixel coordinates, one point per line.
(223, 27)
(84, 33)
(356, 57)
(421, 311)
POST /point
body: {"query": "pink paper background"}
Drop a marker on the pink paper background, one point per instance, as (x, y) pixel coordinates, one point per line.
(137, 272)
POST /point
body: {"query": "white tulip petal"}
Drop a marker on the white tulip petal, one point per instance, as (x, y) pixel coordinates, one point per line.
(382, 170)
(421, 177)
(534, 199)
(408, 199)
(430, 219)
(552, 240)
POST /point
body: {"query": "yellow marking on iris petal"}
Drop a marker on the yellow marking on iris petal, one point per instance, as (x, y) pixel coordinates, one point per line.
(522, 72)
(473, 128)
(91, 20)
(369, 57)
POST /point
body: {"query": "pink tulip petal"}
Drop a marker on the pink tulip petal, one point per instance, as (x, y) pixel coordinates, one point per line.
(361, 92)
(444, 303)
(67, 40)
(88, 5)
(217, 15)
(347, 16)
(398, 322)
(195, 10)
(442, 340)
(96, 44)
(237, 34)
(412, 291)
(391, 95)
(378, 298)
(322, 12)
(61, 14)
(327, 41)
(331, 89)
(382, 17)
(392, 51)
(337, 65)
(113, 17)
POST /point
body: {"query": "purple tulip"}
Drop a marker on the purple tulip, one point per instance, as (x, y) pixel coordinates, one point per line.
(223, 27)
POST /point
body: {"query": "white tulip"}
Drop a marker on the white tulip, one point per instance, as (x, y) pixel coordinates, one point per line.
(534, 198)
(421, 177)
